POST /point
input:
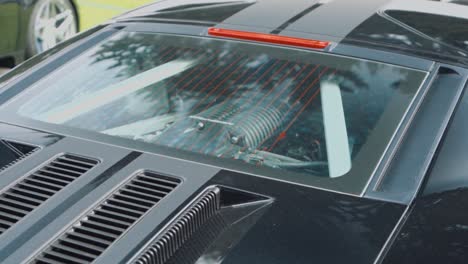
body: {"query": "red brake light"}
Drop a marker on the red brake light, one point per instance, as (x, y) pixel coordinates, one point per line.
(269, 38)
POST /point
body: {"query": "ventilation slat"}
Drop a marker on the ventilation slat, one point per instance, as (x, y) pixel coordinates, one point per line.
(124, 204)
(160, 183)
(103, 228)
(145, 190)
(55, 169)
(6, 215)
(115, 215)
(25, 193)
(5, 223)
(64, 258)
(109, 220)
(42, 184)
(163, 181)
(12, 210)
(93, 232)
(118, 209)
(93, 240)
(50, 179)
(67, 165)
(170, 182)
(42, 260)
(83, 247)
(34, 189)
(23, 199)
(14, 203)
(37, 189)
(164, 246)
(132, 199)
(66, 177)
(140, 195)
(157, 187)
(74, 160)
(79, 254)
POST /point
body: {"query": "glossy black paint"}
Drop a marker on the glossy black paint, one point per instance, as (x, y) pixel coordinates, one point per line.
(306, 225)
(369, 25)
(303, 224)
(381, 33)
(28, 136)
(456, 38)
(413, 155)
(43, 62)
(436, 230)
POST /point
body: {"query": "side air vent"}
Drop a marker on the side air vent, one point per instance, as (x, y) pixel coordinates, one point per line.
(176, 235)
(210, 225)
(13, 152)
(98, 229)
(22, 198)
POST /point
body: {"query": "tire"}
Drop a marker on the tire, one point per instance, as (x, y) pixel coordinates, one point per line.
(51, 22)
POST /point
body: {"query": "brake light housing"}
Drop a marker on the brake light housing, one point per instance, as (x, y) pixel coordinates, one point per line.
(268, 38)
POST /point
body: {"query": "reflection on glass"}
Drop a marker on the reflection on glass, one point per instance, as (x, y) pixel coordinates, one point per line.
(255, 103)
(448, 30)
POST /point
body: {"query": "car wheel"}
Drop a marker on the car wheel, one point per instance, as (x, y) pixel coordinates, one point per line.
(52, 21)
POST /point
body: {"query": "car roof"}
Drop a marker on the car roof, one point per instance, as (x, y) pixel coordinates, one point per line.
(322, 17)
(360, 22)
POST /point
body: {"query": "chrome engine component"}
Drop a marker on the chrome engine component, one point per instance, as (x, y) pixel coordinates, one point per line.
(252, 128)
(246, 125)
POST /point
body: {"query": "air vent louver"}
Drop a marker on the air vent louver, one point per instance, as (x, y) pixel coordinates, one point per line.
(29, 193)
(13, 152)
(206, 230)
(202, 212)
(99, 228)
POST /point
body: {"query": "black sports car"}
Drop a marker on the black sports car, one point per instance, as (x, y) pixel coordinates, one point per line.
(263, 131)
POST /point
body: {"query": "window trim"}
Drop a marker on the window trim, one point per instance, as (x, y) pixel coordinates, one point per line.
(8, 115)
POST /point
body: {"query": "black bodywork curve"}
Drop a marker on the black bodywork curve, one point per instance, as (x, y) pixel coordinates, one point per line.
(306, 225)
(436, 230)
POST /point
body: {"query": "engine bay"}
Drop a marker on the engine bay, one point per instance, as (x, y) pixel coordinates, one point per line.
(291, 109)
(238, 129)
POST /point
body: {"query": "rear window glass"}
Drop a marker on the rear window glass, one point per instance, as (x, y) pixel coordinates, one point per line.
(446, 29)
(279, 112)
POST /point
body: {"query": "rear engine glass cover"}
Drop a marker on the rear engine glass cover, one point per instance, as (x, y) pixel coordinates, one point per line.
(287, 113)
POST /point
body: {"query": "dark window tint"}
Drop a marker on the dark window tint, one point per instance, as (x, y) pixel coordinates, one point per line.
(292, 114)
(447, 29)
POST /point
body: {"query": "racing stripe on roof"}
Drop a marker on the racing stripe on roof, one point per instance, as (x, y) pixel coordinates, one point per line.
(337, 18)
(268, 15)
(295, 18)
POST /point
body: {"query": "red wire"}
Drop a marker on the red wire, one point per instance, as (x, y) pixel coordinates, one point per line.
(209, 105)
(268, 93)
(274, 100)
(302, 109)
(183, 78)
(193, 109)
(269, 80)
(218, 85)
(244, 82)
